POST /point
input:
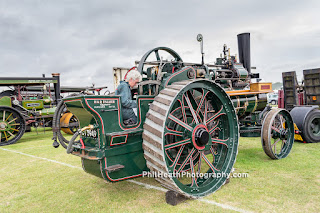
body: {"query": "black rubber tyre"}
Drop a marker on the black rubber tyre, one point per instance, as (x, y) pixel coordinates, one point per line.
(57, 135)
(311, 127)
(56, 125)
(12, 125)
(273, 102)
(7, 93)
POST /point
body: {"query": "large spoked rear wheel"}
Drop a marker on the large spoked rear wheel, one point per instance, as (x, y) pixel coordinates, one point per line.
(277, 134)
(12, 125)
(190, 137)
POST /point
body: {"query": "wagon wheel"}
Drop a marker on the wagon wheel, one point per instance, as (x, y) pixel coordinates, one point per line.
(191, 128)
(12, 125)
(277, 134)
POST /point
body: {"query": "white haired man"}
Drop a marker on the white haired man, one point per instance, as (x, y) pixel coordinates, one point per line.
(124, 90)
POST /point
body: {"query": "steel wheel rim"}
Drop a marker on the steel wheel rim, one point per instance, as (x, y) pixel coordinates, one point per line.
(279, 136)
(315, 127)
(219, 156)
(12, 126)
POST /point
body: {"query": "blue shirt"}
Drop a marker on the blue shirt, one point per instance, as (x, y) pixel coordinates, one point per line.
(127, 103)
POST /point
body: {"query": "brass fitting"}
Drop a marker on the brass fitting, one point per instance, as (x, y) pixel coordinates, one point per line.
(87, 128)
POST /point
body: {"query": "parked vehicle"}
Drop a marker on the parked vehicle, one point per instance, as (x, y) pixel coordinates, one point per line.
(272, 98)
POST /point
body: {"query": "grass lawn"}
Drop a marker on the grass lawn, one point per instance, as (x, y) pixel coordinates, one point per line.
(30, 184)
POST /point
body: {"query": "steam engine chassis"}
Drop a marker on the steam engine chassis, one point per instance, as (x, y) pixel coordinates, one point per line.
(189, 116)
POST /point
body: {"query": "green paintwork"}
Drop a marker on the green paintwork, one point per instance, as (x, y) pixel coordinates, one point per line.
(32, 104)
(241, 71)
(48, 111)
(224, 158)
(5, 101)
(13, 81)
(110, 142)
(46, 100)
(171, 137)
(247, 104)
(178, 76)
(250, 131)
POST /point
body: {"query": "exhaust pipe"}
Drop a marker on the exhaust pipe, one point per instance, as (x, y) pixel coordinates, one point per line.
(57, 87)
(244, 50)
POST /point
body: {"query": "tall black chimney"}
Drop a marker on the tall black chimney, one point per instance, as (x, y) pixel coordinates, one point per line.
(244, 50)
(57, 87)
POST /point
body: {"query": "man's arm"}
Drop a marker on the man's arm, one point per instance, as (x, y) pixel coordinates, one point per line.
(125, 93)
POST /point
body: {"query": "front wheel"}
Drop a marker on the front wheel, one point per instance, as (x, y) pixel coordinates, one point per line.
(277, 134)
(12, 125)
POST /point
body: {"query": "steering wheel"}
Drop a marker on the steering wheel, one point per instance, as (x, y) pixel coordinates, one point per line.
(144, 58)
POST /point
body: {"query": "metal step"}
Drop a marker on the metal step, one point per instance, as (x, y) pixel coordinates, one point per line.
(114, 168)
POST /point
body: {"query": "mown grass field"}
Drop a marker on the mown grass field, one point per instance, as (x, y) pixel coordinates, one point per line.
(29, 182)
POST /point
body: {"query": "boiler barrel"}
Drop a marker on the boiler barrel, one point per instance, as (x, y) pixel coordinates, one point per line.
(247, 104)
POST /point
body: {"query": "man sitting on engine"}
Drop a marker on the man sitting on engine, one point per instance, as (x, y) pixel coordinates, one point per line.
(124, 90)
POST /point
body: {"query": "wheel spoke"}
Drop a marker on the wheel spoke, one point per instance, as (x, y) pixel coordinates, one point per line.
(186, 160)
(194, 180)
(215, 116)
(174, 164)
(178, 121)
(14, 129)
(275, 129)
(213, 153)
(209, 164)
(205, 116)
(220, 141)
(176, 144)
(4, 115)
(5, 135)
(275, 143)
(183, 110)
(282, 143)
(15, 124)
(200, 160)
(173, 132)
(281, 122)
(203, 99)
(194, 115)
(12, 120)
(11, 134)
(8, 117)
(214, 128)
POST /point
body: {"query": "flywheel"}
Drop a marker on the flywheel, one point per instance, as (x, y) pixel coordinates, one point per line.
(190, 137)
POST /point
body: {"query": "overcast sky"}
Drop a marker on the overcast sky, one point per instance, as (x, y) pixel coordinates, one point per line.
(84, 39)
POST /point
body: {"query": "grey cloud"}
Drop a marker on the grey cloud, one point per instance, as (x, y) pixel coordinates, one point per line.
(84, 39)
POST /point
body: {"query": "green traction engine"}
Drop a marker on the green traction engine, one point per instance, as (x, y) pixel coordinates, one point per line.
(189, 119)
(26, 103)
